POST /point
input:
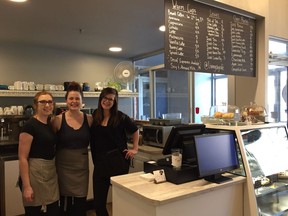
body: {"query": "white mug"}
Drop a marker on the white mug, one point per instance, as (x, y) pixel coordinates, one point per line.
(14, 110)
(25, 86)
(32, 86)
(18, 85)
(20, 110)
(39, 87)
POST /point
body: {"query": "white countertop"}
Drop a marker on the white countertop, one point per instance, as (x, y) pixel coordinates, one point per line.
(167, 192)
(148, 149)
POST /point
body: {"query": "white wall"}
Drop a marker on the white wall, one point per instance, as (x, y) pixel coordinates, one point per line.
(278, 18)
(55, 66)
(48, 65)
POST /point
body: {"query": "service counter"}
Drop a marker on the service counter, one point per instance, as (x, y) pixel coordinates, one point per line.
(133, 195)
(10, 195)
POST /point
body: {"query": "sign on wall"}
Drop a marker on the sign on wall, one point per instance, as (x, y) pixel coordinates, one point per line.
(203, 38)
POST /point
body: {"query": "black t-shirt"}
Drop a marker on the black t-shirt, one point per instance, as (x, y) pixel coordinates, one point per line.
(44, 139)
(105, 138)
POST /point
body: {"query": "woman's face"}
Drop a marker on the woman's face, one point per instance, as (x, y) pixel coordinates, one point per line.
(107, 101)
(45, 105)
(74, 100)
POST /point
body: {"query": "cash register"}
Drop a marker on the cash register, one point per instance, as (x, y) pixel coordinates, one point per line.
(181, 136)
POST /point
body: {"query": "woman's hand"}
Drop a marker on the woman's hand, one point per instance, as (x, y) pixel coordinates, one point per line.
(28, 194)
(130, 153)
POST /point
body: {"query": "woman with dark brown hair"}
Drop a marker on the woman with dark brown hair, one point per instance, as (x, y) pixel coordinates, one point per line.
(109, 149)
(37, 141)
(73, 131)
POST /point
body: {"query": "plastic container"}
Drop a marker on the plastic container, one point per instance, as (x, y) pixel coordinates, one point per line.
(226, 112)
(253, 113)
(172, 116)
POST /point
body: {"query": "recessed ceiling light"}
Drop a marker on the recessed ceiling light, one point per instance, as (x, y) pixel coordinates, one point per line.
(18, 0)
(162, 28)
(115, 49)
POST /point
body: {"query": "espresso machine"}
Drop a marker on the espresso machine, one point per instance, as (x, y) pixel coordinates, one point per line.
(10, 128)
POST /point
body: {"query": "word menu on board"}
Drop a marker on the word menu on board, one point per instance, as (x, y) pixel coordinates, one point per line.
(203, 38)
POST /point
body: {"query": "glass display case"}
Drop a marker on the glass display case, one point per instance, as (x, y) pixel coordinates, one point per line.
(264, 150)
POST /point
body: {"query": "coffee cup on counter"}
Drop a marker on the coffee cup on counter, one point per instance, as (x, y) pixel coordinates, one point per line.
(176, 154)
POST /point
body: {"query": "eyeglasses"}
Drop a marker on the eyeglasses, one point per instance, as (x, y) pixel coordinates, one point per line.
(108, 99)
(44, 102)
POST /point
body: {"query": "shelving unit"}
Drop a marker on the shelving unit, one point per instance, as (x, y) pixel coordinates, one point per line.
(13, 93)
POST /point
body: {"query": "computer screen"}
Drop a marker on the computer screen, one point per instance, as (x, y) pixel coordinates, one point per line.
(182, 136)
(216, 154)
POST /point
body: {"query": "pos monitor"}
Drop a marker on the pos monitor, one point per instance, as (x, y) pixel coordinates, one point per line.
(216, 154)
(182, 136)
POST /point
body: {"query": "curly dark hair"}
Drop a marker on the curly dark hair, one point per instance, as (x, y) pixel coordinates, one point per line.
(74, 86)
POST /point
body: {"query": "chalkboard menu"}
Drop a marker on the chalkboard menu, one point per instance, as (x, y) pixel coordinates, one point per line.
(203, 38)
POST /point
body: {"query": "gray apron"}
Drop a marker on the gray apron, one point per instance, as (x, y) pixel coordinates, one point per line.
(73, 171)
(44, 182)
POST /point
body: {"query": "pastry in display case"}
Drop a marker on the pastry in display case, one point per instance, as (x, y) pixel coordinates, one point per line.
(253, 113)
(231, 115)
(222, 114)
(266, 150)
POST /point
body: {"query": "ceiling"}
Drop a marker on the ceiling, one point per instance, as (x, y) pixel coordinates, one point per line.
(89, 26)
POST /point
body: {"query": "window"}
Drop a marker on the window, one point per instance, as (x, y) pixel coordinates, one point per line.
(163, 91)
(210, 90)
(277, 80)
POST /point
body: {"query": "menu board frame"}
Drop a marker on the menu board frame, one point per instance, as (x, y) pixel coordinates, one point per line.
(204, 38)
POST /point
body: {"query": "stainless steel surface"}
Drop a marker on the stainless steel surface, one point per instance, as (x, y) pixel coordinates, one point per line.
(156, 135)
(10, 127)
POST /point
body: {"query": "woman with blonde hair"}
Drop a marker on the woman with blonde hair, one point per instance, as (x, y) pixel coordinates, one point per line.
(38, 177)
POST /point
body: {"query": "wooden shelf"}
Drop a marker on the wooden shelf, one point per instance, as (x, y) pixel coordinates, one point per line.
(13, 93)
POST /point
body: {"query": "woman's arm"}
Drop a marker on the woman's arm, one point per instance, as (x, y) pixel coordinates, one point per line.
(56, 122)
(131, 152)
(90, 119)
(25, 141)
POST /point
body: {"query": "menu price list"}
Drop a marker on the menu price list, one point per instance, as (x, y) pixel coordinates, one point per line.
(203, 38)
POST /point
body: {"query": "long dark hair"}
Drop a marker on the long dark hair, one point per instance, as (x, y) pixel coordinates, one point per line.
(99, 113)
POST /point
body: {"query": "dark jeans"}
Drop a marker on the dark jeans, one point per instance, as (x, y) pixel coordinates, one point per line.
(100, 191)
(52, 210)
(73, 206)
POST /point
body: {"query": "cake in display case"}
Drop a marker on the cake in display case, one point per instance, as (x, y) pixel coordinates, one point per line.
(264, 149)
(222, 115)
(232, 115)
(253, 113)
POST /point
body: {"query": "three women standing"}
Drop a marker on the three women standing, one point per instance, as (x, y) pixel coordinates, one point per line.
(38, 141)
